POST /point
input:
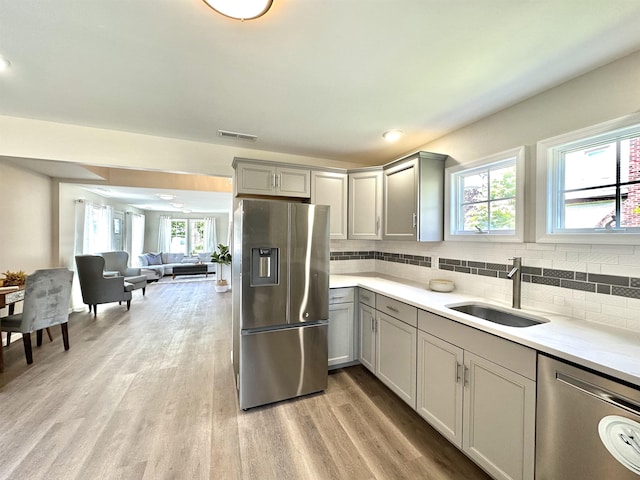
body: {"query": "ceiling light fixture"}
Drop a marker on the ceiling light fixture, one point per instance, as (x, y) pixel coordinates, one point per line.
(177, 205)
(392, 135)
(186, 210)
(165, 196)
(240, 9)
(4, 64)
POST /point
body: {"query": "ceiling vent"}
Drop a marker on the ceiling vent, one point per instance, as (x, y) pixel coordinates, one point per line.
(237, 136)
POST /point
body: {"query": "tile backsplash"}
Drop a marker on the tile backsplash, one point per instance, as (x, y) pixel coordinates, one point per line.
(599, 283)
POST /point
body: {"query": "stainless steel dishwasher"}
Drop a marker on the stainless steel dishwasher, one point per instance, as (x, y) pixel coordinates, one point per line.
(587, 425)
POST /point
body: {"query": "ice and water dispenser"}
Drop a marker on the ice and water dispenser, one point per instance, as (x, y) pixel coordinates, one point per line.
(264, 266)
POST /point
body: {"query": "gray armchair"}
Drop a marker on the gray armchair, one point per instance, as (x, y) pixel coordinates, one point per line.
(46, 303)
(96, 288)
(119, 262)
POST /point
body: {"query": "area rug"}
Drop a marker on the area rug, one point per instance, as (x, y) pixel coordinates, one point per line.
(187, 278)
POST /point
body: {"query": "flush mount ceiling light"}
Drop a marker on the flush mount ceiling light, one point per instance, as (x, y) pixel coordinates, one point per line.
(240, 9)
(4, 64)
(392, 135)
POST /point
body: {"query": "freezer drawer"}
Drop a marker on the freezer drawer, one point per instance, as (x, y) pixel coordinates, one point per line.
(284, 363)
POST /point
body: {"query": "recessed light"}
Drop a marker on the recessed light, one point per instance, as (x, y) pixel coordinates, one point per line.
(165, 196)
(392, 135)
(186, 210)
(177, 205)
(4, 64)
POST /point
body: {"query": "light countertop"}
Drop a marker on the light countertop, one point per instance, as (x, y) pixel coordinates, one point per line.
(610, 350)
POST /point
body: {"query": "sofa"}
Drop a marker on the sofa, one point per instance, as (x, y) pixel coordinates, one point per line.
(162, 263)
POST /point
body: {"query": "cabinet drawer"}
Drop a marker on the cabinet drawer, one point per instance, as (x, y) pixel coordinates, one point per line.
(341, 295)
(367, 297)
(517, 358)
(396, 309)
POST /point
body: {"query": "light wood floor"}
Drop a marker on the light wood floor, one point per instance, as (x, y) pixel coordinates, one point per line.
(149, 394)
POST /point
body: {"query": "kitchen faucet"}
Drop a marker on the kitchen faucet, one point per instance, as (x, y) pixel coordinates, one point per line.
(516, 276)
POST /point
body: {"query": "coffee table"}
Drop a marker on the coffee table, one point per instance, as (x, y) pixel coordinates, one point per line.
(190, 269)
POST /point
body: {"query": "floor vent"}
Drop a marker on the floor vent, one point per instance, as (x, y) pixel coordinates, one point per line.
(237, 136)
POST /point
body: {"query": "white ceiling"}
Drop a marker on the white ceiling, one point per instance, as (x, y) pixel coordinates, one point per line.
(319, 78)
(148, 199)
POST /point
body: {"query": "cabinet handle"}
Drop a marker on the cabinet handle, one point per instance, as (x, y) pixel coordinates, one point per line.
(393, 309)
(364, 297)
(337, 298)
(459, 370)
(415, 220)
(466, 375)
(278, 182)
(273, 180)
(378, 225)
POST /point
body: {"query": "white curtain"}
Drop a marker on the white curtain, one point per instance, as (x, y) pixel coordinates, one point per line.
(164, 234)
(137, 237)
(97, 228)
(210, 235)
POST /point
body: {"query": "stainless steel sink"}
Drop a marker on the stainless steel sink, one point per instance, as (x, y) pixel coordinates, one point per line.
(497, 314)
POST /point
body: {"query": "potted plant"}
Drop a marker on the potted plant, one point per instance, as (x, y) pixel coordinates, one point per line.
(221, 257)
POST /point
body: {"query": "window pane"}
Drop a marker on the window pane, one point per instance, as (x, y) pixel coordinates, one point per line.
(474, 187)
(503, 182)
(475, 217)
(589, 209)
(179, 236)
(630, 206)
(590, 167)
(503, 215)
(197, 236)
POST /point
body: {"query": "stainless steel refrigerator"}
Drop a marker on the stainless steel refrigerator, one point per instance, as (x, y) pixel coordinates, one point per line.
(280, 278)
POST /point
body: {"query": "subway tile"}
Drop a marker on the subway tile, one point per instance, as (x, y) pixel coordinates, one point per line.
(635, 282)
(477, 264)
(487, 273)
(610, 279)
(447, 267)
(587, 287)
(625, 292)
(532, 270)
(606, 289)
(555, 282)
(551, 272)
(463, 269)
(496, 266)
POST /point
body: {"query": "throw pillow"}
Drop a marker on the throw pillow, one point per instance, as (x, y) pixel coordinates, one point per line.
(154, 258)
(143, 261)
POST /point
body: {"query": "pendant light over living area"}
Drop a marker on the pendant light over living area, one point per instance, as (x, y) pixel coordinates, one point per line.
(240, 9)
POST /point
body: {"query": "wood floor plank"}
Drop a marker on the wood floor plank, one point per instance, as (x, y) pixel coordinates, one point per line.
(150, 394)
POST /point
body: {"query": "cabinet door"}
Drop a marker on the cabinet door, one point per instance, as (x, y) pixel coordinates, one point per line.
(367, 323)
(499, 419)
(255, 179)
(365, 205)
(329, 188)
(440, 385)
(340, 333)
(396, 356)
(293, 182)
(401, 202)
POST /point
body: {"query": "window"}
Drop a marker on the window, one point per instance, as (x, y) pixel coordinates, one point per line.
(187, 236)
(485, 198)
(592, 183)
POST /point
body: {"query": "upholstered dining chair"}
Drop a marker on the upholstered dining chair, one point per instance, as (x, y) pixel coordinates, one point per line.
(96, 288)
(47, 296)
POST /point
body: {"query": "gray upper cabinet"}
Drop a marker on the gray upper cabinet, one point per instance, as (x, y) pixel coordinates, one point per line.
(330, 188)
(365, 205)
(414, 198)
(265, 178)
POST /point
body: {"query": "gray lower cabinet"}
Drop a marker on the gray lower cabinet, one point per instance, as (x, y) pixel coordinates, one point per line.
(367, 326)
(387, 347)
(341, 326)
(479, 391)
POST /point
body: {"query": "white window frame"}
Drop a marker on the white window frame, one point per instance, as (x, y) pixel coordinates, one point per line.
(548, 155)
(452, 210)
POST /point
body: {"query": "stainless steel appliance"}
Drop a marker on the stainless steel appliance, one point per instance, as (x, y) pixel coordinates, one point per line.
(587, 425)
(280, 277)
